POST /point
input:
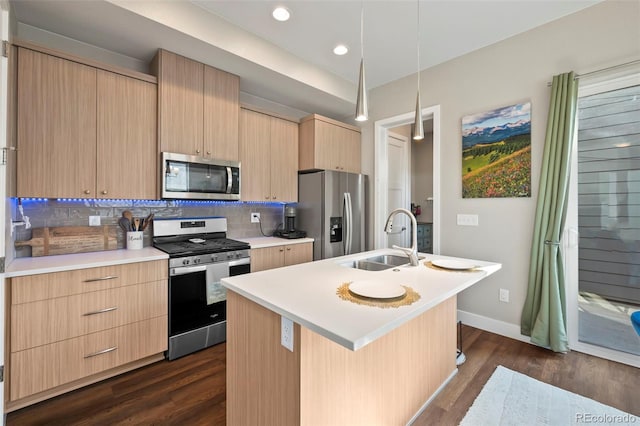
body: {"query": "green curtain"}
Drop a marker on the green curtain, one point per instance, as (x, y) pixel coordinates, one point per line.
(544, 313)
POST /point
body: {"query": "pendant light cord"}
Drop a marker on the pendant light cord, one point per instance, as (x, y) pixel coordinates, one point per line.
(362, 31)
(418, 25)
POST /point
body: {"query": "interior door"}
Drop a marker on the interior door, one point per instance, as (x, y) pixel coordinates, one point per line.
(398, 189)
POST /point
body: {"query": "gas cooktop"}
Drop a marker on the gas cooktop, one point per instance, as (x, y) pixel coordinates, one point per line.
(194, 236)
(200, 245)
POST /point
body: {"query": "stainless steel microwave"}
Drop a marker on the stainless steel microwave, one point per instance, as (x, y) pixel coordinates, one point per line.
(198, 178)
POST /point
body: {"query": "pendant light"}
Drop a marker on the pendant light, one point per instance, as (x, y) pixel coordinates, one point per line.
(362, 110)
(418, 128)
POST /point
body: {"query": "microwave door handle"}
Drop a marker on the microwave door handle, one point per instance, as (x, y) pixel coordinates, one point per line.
(229, 180)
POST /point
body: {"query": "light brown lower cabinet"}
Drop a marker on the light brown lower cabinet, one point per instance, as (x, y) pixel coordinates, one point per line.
(69, 329)
(44, 367)
(279, 256)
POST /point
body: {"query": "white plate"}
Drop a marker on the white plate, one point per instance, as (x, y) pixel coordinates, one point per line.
(377, 290)
(453, 264)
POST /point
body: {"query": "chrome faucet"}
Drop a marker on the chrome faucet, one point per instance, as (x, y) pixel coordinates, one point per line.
(412, 252)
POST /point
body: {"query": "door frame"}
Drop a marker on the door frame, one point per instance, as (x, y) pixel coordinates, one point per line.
(381, 211)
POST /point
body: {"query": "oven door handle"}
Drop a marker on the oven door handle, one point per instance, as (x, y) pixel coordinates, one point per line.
(243, 261)
(188, 270)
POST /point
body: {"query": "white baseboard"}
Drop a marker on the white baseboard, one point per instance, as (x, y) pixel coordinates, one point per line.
(513, 331)
(492, 325)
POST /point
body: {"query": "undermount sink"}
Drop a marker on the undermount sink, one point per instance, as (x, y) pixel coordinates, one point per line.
(378, 263)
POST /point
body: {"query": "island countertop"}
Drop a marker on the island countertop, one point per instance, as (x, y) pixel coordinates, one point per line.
(306, 294)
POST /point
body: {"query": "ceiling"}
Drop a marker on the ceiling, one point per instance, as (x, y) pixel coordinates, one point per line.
(291, 63)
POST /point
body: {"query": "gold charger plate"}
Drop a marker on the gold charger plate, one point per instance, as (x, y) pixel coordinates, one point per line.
(408, 298)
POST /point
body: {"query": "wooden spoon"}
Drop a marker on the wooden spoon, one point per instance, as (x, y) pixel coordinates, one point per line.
(136, 224)
(147, 221)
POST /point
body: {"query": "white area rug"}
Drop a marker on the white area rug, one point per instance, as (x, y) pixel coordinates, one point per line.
(511, 398)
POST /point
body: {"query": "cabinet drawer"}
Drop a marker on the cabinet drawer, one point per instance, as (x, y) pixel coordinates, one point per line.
(48, 321)
(45, 367)
(46, 286)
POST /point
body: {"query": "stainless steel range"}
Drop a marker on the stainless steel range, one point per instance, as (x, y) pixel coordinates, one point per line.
(200, 255)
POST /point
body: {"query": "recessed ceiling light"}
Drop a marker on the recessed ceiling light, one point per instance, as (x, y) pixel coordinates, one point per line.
(340, 49)
(281, 14)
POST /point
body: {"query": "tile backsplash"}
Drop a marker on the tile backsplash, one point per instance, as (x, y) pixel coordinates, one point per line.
(53, 213)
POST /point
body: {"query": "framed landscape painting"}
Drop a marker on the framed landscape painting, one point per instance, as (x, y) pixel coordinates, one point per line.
(496, 153)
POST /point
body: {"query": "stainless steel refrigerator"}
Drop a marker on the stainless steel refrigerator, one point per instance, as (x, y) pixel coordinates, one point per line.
(331, 207)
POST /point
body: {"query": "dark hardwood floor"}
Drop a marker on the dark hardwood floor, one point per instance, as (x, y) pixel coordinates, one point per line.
(191, 390)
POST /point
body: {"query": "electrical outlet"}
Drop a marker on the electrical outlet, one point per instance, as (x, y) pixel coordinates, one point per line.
(94, 220)
(255, 217)
(467, 219)
(286, 333)
(504, 295)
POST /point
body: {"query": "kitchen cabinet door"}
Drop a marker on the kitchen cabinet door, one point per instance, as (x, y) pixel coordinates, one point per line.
(351, 146)
(327, 149)
(255, 156)
(221, 114)
(126, 146)
(279, 256)
(267, 258)
(298, 253)
(328, 144)
(284, 160)
(56, 127)
(180, 104)
(269, 157)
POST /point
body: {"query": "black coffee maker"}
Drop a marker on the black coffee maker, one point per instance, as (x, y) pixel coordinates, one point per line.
(289, 230)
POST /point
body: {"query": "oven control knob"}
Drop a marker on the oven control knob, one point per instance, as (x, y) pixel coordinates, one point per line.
(196, 260)
(238, 255)
(214, 258)
(185, 262)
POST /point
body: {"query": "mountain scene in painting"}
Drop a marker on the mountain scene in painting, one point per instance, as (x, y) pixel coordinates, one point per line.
(496, 153)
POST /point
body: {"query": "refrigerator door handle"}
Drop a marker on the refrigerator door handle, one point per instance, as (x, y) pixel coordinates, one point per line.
(348, 223)
(345, 228)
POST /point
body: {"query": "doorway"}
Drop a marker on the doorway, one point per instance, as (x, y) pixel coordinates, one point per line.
(381, 183)
(399, 188)
(602, 236)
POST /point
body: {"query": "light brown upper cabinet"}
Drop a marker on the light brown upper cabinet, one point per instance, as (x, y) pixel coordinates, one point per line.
(328, 144)
(127, 143)
(269, 157)
(83, 132)
(198, 108)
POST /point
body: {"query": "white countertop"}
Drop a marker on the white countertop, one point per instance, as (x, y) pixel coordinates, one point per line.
(262, 242)
(67, 262)
(306, 294)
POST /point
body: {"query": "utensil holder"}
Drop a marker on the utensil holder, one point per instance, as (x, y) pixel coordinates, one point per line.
(134, 240)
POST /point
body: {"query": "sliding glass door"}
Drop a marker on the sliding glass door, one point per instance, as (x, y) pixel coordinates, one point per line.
(602, 240)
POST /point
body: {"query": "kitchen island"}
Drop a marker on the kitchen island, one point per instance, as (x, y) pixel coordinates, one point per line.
(351, 363)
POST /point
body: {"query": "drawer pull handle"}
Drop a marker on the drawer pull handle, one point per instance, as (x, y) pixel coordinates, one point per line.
(104, 351)
(109, 277)
(101, 311)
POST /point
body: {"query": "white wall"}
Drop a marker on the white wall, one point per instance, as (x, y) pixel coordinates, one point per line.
(514, 70)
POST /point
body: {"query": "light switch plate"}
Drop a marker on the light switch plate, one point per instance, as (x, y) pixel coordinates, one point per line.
(467, 219)
(94, 220)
